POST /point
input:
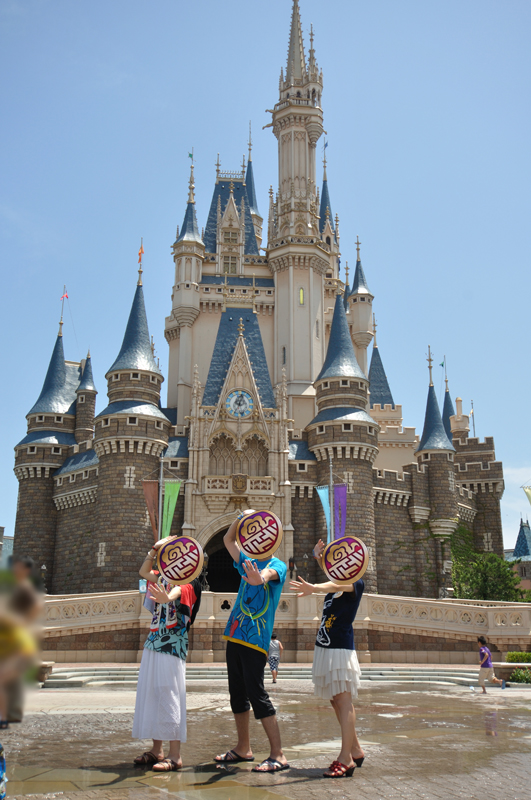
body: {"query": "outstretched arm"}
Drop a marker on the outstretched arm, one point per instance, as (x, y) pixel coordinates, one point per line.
(303, 588)
(146, 570)
(229, 540)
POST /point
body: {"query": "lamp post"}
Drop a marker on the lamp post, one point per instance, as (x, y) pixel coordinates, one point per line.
(291, 567)
(43, 575)
(305, 560)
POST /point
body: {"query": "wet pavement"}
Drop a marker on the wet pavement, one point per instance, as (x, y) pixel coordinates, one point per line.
(439, 742)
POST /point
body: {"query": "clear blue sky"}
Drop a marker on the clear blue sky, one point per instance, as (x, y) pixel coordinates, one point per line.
(427, 110)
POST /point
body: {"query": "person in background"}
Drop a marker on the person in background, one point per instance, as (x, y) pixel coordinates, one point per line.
(336, 672)
(160, 709)
(486, 670)
(248, 634)
(274, 655)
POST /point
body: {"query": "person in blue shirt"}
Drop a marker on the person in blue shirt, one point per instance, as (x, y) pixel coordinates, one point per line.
(335, 671)
(248, 634)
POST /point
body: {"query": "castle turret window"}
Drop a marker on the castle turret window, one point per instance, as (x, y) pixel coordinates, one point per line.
(58, 419)
(105, 423)
(302, 467)
(153, 379)
(320, 429)
(301, 297)
(230, 237)
(32, 450)
(229, 265)
(56, 451)
(39, 418)
(116, 376)
(344, 383)
(347, 426)
(284, 356)
(132, 420)
(158, 425)
(135, 376)
(174, 465)
(81, 398)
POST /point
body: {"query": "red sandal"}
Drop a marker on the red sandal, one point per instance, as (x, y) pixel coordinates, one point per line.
(338, 770)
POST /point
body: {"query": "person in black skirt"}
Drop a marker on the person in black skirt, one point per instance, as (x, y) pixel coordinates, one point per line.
(336, 672)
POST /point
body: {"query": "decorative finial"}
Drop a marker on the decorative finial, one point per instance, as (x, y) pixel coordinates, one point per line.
(140, 270)
(358, 248)
(346, 273)
(60, 326)
(430, 362)
(327, 213)
(63, 296)
(191, 185)
(243, 166)
(218, 167)
(374, 329)
(232, 187)
(88, 353)
(152, 347)
(240, 327)
(445, 375)
(250, 141)
(311, 36)
(325, 145)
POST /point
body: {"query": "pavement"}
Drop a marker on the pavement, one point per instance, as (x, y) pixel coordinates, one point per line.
(434, 742)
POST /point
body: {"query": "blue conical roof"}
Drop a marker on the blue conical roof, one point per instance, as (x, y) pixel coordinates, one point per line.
(340, 361)
(448, 411)
(359, 284)
(135, 352)
(251, 192)
(346, 295)
(434, 435)
(58, 393)
(378, 384)
(87, 381)
(325, 204)
(190, 230)
(523, 542)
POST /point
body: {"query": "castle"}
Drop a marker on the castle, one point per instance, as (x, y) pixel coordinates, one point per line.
(268, 379)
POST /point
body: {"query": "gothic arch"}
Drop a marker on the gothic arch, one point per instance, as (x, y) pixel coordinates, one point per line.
(222, 456)
(254, 456)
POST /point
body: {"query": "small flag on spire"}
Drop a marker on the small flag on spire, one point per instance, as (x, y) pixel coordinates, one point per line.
(141, 252)
(441, 364)
(190, 155)
(64, 295)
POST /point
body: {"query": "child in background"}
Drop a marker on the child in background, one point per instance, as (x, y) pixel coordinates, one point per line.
(274, 654)
(486, 670)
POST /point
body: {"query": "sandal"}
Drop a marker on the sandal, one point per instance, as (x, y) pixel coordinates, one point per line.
(167, 765)
(231, 757)
(147, 759)
(275, 765)
(338, 770)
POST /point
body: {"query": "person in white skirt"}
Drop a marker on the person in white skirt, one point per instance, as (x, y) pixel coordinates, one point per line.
(160, 709)
(336, 672)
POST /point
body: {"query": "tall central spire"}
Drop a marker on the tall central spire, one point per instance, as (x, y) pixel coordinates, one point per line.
(296, 67)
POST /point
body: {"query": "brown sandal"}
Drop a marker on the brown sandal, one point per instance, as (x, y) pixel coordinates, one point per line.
(147, 759)
(166, 765)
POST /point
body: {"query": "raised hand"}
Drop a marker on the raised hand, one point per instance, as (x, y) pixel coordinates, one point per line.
(158, 594)
(318, 549)
(302, 587)
(253, 576)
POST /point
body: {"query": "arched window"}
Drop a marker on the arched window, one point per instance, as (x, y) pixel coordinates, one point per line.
(301, 297)
(254, 457)
(222, 456)
(316, 328)
(283, 356)
(328, 240)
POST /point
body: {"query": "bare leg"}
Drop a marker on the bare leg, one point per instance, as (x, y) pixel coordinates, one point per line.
(356, 751)
(274, 674)
(175, 752)
(273, 734)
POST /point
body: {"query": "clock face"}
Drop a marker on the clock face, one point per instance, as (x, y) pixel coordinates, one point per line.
(239, 403)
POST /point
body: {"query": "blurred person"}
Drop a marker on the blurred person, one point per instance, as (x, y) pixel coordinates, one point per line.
(274, 654)
(160, 709)
(336, 672)
(486, 670)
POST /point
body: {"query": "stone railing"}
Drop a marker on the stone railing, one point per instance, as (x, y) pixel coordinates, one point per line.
(85, 613)
(214, 484)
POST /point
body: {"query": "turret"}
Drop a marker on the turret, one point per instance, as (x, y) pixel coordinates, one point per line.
(360, 319)
(459, 423)
(344, 431)
(85, 404)
(448, 411)
(258, 220)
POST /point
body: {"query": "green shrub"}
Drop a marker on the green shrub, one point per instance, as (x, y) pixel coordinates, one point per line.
(519, 658)
(521, 676)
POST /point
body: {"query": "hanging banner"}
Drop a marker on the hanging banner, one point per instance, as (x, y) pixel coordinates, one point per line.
(527, 490)
(324, 492)
(171, 493)
(340, 510)
(151, 495)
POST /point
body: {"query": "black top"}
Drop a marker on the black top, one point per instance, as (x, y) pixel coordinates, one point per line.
(339, 612)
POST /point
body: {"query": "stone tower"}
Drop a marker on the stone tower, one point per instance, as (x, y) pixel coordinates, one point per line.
(343, 431)
(85, 404)
(130, 436)
(360, 319)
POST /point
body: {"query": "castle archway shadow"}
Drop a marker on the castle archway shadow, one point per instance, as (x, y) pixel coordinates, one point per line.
(221, 576)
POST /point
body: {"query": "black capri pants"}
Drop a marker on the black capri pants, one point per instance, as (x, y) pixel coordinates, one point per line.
(245, 667)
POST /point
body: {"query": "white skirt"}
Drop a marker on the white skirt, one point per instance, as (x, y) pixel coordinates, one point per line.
(160, 709)
(335, 671)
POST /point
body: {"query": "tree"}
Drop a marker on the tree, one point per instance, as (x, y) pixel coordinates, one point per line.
(483, 576)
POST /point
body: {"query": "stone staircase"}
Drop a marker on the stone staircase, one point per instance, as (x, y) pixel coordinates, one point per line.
(126, 677)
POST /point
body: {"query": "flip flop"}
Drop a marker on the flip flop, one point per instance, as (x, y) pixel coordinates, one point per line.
(272, 762)
(231, 757)
(147, 759)
(166, 765)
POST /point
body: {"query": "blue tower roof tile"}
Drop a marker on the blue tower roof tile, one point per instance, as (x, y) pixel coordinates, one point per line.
(139, 408)
(48, 437)
(359, 284)
(86, 383)
(340, 361)
(343, 414)
(84, 460)
(448, 411)
(522, 547)
(223, 350)
(325, 204)
(190, 230)
(222, 190)
(177, 447)
(378, 384)
(299, 451)
(135, 352)
(251, 192)
(58, 393)
(434, 435)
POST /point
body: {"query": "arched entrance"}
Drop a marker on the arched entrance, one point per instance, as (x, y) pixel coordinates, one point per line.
(221, 575)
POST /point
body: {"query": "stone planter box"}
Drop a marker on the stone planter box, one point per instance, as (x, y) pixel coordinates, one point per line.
(505, 669)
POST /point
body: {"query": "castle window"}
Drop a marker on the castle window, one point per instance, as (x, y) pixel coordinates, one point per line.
(326, 385)
(316, 328)
(232, 291)
(283, 356)
(362, 299)
(257, 291)
(269, 291)
(135, 376)
(328, 240)
(116, 376)
(158, 425)
(132, 420)
(354, 299)
(59, 481)
(174, 465)
(230, 237)
(32, 450)
(425, 456)
(301, 297)
(229, 265)
(81, 398)
(56, 451)
(186, 285)
(72, 478)
(450, 456)
(344, 383)
(244, 291)
(40, 418)
(320, 429)
(153, 379)
(58, 419)
(371, 430)
(302, 467)
(523, 572)
(347, 426)
(206, 289)
(85, 474)
(105, 423)
(361, 386)
(219, 291)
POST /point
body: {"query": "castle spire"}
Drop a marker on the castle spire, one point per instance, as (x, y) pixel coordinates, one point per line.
(325, 209)
(448, 407)
(359, 284)
(55, 387)
(340, 361)
(296, 68)
(378, 384)
(434, 436)
(135, 352)
(249, 181)
(86, 383)
(190, 229)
